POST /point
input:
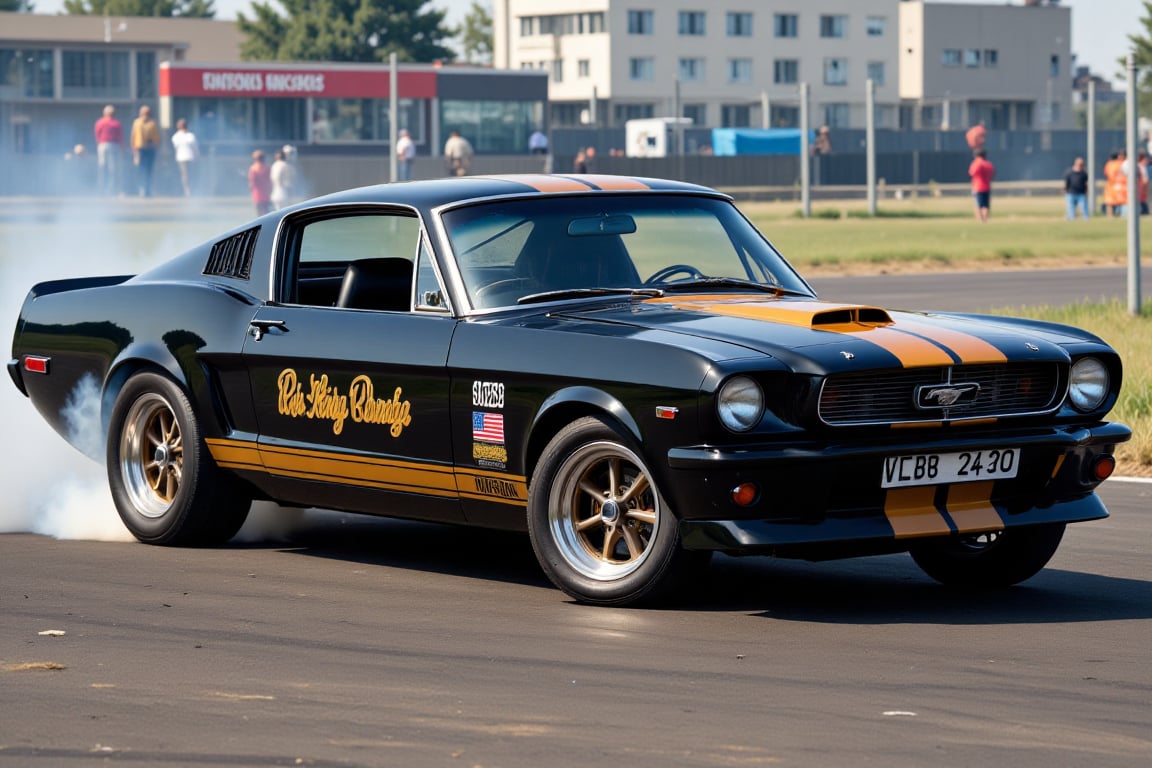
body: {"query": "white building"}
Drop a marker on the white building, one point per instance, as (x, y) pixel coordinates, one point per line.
(720, 62)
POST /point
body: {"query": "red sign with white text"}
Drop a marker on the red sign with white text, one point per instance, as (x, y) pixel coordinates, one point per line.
(225, 82)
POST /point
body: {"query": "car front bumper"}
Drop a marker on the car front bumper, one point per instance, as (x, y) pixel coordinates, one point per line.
(824, 500)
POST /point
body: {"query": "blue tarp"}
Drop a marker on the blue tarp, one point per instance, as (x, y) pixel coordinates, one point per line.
(727, 142)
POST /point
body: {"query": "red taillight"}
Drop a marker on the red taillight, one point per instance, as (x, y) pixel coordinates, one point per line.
(746, 494)
(1103, 467)
(34, 364)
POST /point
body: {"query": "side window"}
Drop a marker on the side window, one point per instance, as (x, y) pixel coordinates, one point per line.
(357, 261)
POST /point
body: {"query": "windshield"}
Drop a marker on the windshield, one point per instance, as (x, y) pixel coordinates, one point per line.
(511, 249)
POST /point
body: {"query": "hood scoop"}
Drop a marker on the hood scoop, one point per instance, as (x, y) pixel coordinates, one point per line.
(818, 315)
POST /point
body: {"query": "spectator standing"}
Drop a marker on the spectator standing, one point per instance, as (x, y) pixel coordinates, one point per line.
(1108, 202)
(580, 162)
(109, 147)
(1076, 189)
(282, 174)
(1117, 182)
(981, 170)
(405, 154)
(145, 140)
(538, 143)
(187, 152)
(458, 153)
(822, 145)
(260, 182)
(1142, 161)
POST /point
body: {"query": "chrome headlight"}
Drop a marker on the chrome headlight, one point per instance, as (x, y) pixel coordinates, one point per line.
(740, 403)
(1088, 384)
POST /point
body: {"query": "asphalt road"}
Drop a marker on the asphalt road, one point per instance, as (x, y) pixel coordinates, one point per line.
(983, 291)
(370, 642)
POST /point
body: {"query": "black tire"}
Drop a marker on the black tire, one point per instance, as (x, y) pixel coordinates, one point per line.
(986, 560)
(166, 486)
(599, 525)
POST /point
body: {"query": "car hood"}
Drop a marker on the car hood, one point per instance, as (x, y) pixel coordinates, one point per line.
(820, 337)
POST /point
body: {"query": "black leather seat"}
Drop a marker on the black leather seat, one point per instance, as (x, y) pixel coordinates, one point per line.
(377, 284)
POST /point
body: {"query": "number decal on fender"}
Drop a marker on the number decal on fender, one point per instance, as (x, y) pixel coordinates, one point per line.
(487, 394)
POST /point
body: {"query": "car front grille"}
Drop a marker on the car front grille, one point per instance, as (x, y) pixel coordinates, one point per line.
(886, 397)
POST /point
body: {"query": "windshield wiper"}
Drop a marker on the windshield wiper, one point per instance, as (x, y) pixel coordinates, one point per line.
(576, 293)
(731, 282)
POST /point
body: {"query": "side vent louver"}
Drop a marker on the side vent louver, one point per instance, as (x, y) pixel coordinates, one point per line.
(233, 257)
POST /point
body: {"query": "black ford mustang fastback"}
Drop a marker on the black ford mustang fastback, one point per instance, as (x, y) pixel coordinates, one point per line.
(623, 367)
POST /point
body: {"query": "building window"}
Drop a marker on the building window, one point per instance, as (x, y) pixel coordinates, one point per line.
(951, 57)
(972, 57)
(875, 25)
(991, 58)
(593, 23)
(692, 22)
(28, 73)
(786, 71)
(640, 68)
(583, 68)
(527, 26)
(836, 115)
(622, 113)
(736, 115)
(95, 74)
(691, 70)
(697, 113)
(557, 73)
(640, 22)
(739, 70)
(1054, 66)
(146, 75)
(833, 26)
(740, 25)
(835, 71)
(876, 72)
(784, 117)
(786, 24)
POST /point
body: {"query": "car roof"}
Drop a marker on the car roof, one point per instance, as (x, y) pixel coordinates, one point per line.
(433, 193)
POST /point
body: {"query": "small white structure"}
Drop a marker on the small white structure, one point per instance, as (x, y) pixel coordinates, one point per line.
(652, 136)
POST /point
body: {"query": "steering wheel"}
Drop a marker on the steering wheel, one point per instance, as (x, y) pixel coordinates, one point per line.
(662, 275)
(490, 295)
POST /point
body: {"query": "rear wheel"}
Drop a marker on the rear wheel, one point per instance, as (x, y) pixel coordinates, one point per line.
(599, 525)
(166, 486)
(997, 559)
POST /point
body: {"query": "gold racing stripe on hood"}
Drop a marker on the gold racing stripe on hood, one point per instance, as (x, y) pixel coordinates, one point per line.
(970, 507)
(867, 323)
(912, 512)
(969, 348)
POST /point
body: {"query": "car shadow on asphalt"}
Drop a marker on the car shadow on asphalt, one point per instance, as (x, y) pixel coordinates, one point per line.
(871, 590)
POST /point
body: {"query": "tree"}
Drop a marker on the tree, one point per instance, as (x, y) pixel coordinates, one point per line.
(345, 30)
(192, 9)
(476, 35)
(1142, 47)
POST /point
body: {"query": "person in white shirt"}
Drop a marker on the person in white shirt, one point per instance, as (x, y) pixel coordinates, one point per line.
(283, 175)
(187, 151)
(405, 152)
(458, 153)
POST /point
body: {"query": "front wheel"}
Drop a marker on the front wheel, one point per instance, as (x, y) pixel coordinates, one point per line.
(166, 486)
(997, 559)
(599, 525)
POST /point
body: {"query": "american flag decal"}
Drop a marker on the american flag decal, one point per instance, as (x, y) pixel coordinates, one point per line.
(488, 427)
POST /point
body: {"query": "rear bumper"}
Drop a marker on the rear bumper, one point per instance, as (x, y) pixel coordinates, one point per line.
(17, 377)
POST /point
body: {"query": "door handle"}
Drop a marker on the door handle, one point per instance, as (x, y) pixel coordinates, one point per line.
(260, 327)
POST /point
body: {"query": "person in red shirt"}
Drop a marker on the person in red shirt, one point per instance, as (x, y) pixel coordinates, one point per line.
(109, 144)
(982, 171)
(260, 182)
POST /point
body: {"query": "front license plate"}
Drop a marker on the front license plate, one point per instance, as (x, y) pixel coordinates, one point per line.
(941, 468)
